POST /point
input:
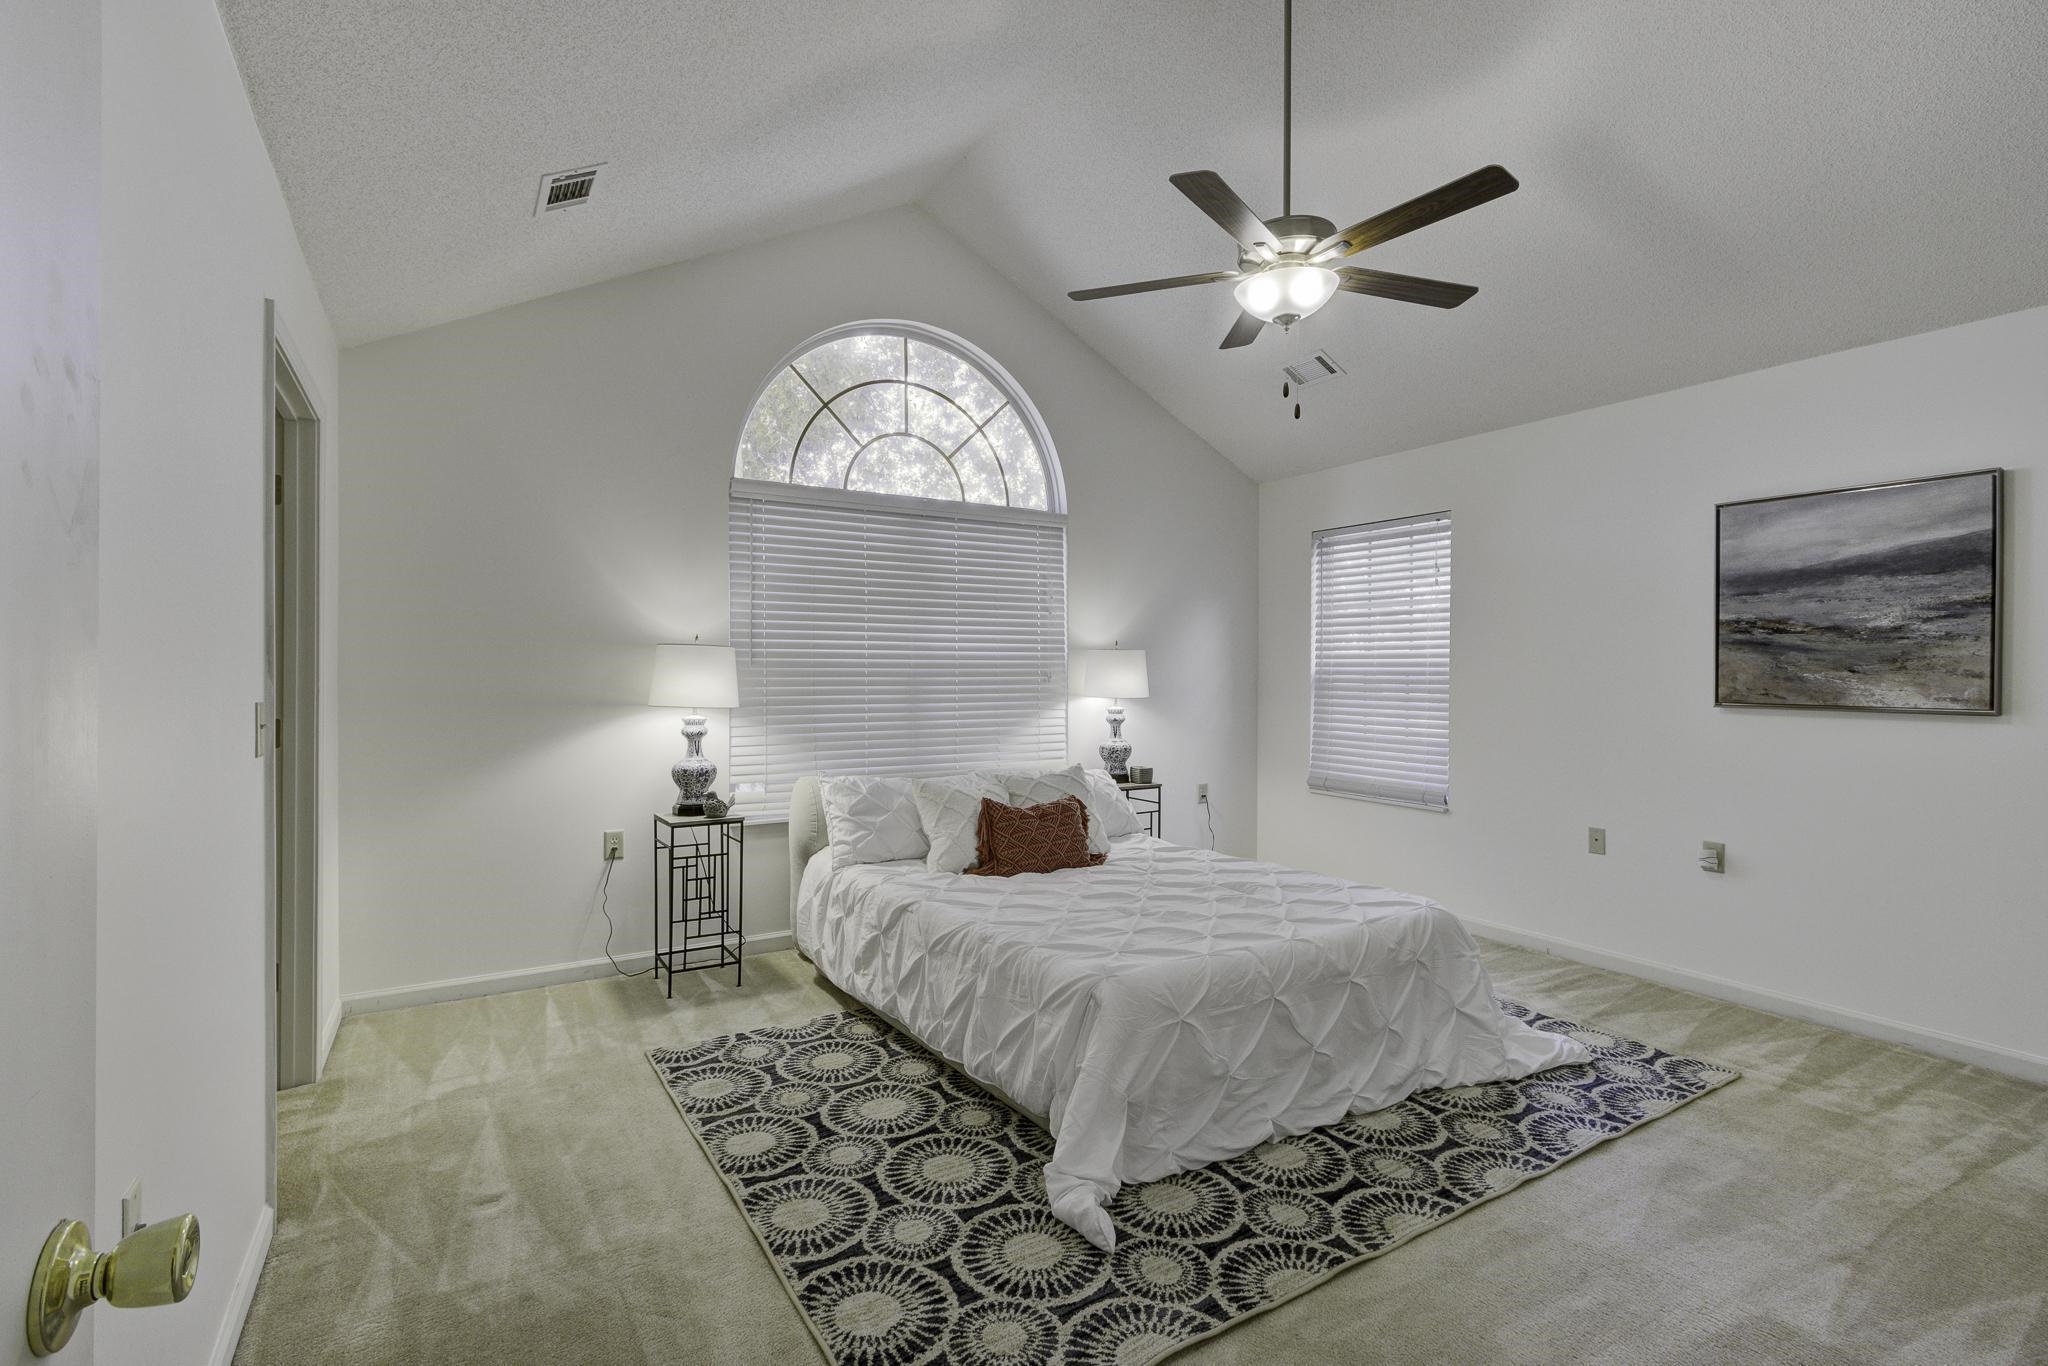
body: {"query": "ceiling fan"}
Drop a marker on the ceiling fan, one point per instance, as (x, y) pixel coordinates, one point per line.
(1283, 272)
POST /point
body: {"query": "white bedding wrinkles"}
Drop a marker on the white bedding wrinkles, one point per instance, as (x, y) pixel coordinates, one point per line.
(1172, 1007)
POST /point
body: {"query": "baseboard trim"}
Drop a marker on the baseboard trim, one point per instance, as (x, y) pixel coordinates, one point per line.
(1954, 1047)
(526, 979)
(244, 1291)
(329, 1027)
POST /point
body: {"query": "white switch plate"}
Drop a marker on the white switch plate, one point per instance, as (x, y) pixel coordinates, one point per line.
(1596, 840)
(131, 1208)
(1713, 857)
(614, 844)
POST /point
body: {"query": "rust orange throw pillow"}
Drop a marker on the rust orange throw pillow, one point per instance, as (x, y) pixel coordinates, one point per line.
(1032, 839)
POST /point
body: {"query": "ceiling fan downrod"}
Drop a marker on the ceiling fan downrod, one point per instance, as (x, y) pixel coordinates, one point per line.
(1287, 109)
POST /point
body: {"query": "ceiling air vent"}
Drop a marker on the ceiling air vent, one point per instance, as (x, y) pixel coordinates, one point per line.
(566, 189)
(1315, 369)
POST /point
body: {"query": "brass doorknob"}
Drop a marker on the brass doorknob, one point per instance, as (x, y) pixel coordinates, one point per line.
(156, 1264)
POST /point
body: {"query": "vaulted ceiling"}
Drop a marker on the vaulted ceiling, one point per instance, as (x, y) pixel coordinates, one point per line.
(1707, 188)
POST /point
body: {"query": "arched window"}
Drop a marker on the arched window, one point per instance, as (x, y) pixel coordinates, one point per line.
(899, 409)
(898, 567)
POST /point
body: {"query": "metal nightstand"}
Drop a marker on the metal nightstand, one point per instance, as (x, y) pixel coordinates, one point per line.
(1144, 797)
(699, 875)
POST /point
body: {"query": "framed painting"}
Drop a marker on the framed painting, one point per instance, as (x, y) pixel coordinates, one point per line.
(1879, 598)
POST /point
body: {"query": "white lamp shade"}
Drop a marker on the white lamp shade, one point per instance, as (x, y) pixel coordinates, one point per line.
(1111, 673)
(694, 676)
(1290, 292)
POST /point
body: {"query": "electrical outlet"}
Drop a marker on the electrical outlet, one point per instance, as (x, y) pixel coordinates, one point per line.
(1596, 840)
(614, 845)
(1201, 792)
(1713, 857)
(131, 1208)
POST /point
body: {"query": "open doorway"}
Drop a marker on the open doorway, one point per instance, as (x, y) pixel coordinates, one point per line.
(293, 708)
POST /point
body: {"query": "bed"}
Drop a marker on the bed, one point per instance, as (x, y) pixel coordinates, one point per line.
(1168, 1009)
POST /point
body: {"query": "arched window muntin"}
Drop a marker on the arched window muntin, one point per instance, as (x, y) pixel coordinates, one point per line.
(825, 409)
(837, 402)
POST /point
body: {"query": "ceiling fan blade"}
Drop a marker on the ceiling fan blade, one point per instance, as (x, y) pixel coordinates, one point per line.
(1242, 332)
(1147, 286)
(1232, 214)
(1468, 192)
(1409, 289)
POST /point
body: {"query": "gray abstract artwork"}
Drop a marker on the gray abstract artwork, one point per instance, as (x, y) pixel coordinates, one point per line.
(1882, 598)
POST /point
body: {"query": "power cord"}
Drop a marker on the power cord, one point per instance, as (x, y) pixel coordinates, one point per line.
(604, 888)
(1209, 815)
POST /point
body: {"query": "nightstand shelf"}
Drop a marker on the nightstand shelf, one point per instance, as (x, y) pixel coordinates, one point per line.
(699, 876)
(1144, 798)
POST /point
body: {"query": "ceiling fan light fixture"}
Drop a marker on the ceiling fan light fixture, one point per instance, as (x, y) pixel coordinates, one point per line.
(1286, 294)
(1283, 273)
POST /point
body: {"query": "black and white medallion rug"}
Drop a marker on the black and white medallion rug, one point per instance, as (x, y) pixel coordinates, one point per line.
(905, 1206)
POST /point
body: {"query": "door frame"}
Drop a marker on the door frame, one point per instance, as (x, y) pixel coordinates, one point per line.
(290, 736)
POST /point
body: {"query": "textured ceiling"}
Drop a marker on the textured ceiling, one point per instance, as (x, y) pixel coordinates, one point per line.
(1707, 188)
(411, 135)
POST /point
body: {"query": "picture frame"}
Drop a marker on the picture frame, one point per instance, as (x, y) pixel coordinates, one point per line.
(1882, 597)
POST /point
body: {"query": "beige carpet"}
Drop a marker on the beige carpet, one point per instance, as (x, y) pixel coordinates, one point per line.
(495, 1181)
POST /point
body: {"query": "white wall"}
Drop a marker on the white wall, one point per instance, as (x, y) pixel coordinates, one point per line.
(534, 497)
(196, 235)
(1883, 864)
(49, 607)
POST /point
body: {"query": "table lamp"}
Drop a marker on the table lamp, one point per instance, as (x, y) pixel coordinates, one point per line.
(1115, 674)
(695, 677)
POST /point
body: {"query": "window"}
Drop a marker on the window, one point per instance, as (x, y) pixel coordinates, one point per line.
(1380, 668)
(897, 411)
(898, 568)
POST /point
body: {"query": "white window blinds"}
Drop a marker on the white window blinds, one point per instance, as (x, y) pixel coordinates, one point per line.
(1380, 673)
(875, 637)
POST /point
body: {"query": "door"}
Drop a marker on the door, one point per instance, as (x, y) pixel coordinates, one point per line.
(293, 782)
(49, 634)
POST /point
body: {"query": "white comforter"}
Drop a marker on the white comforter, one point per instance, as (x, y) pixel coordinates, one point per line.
(1173, 1007)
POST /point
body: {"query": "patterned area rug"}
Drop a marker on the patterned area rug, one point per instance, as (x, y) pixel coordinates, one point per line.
(905, 1206)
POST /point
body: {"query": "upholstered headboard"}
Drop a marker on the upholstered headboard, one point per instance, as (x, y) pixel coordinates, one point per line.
(806, 834)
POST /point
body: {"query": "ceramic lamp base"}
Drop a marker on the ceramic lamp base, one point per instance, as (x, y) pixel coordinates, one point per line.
(1116, 751)
(693, 774)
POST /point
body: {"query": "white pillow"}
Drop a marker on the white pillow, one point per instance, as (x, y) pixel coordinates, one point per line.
(871, 820)
(950, 810)
(1033, 789)
(1108, 804)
